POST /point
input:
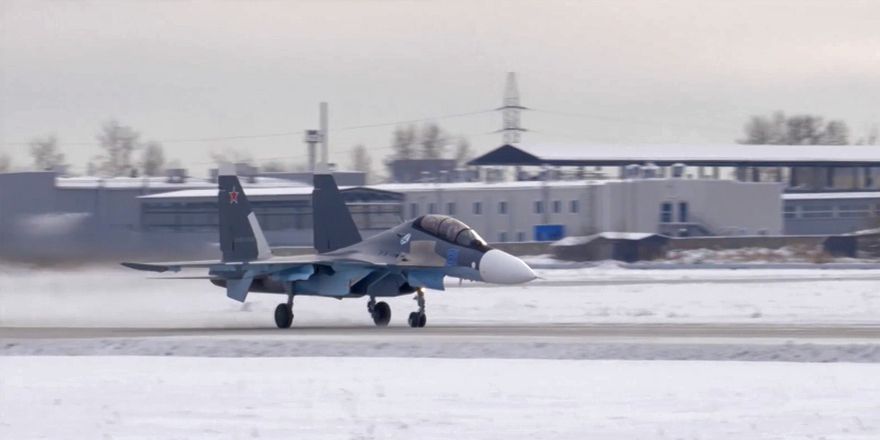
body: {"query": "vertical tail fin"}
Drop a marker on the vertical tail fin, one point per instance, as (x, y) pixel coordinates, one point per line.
(334, 228)
(241, 238)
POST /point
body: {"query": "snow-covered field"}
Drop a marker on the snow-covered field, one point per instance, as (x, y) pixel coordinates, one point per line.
(471, 395)
(358, 398)
(109, 296)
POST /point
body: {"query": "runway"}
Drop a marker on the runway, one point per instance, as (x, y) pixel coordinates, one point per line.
(647, 331)
(754, 342)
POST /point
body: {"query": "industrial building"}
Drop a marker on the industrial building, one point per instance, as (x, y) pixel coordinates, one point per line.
(686, 193)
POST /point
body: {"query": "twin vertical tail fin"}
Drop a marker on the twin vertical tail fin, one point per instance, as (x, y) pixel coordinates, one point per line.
(333, 226)
(241, 238)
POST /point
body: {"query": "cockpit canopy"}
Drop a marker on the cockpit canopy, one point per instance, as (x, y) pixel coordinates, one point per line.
(450, 229)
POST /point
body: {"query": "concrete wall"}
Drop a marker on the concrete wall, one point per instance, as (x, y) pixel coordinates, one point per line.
(723, 207)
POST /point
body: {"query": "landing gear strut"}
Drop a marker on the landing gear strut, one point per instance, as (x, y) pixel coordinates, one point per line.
(418, 319)
(381, 312)
(284, 313)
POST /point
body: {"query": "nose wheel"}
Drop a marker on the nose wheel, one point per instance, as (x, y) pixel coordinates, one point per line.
(380, 312)
(418, 319)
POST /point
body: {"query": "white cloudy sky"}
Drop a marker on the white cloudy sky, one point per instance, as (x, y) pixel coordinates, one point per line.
(636, 71)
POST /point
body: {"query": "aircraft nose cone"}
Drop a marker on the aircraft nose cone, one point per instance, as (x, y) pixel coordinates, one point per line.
(499, 267)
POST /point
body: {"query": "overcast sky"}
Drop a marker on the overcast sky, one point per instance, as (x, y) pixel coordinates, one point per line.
(635, 71)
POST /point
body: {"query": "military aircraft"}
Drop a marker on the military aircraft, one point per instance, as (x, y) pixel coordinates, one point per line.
(403, 260)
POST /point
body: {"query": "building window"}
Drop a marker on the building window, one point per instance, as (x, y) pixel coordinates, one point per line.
(557, 206)
(666, 212)
(478, 208)
(413, 210)
(539, 207)
(817, 211)
(502, 207)
(432, 208)
(854, 211)
(520, 236)
(502, 237)
(683, 212)
(869, 177)
(829, 177)
(450, 208)
(790, 211)
(573, 207)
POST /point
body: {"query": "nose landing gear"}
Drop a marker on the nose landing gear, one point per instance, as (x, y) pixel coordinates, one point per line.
(418, 319)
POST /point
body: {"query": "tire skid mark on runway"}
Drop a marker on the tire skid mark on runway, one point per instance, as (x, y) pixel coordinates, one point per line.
(646, 331)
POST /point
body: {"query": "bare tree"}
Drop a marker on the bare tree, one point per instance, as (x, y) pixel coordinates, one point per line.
(836, 133)
(761, 130)
(5, 162)
(118, 142)
(45, 154)
(794, 130)
(153, 160)
(463, 151)
(804, 130)
(403, 142)
(433, 141)
(361, 160)
(231, 156)
(273, 166)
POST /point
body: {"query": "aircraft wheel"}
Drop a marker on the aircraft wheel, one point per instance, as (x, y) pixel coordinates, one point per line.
(417, 320)
(283, 316)
(381, 314)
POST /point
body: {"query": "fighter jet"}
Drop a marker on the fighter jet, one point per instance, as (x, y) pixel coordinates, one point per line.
(407, 259)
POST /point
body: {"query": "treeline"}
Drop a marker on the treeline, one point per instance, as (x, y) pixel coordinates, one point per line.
(123, 153)
(804, 129)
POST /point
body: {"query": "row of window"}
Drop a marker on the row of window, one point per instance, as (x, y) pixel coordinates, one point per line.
(844, 210)
(272, 216)
(502, 208)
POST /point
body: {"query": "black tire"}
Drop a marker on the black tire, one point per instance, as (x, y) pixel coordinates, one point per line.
(381, 314)
(283, 316)
(423, 319)
(413, 319)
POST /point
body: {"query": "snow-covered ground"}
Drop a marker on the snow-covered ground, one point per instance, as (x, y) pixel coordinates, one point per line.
(359, 398)
(123, 298)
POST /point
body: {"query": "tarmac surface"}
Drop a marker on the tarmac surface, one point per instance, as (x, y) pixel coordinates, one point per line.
(748, 342)
(581, 332)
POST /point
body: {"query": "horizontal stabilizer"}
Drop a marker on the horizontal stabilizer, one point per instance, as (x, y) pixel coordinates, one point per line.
(147, 267)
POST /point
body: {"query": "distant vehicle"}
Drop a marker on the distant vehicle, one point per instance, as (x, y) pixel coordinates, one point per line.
(406, 259)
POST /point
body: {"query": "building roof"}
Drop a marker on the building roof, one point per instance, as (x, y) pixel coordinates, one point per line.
(156, 182)
(256, 191)
(696, 155)
(400, 188)
(832, 195)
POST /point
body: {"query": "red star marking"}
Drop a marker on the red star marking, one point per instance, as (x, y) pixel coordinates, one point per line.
(233, 196)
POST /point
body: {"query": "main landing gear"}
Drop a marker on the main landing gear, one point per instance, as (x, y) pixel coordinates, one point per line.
(381, 312)
(284, 313)
(418, 319)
